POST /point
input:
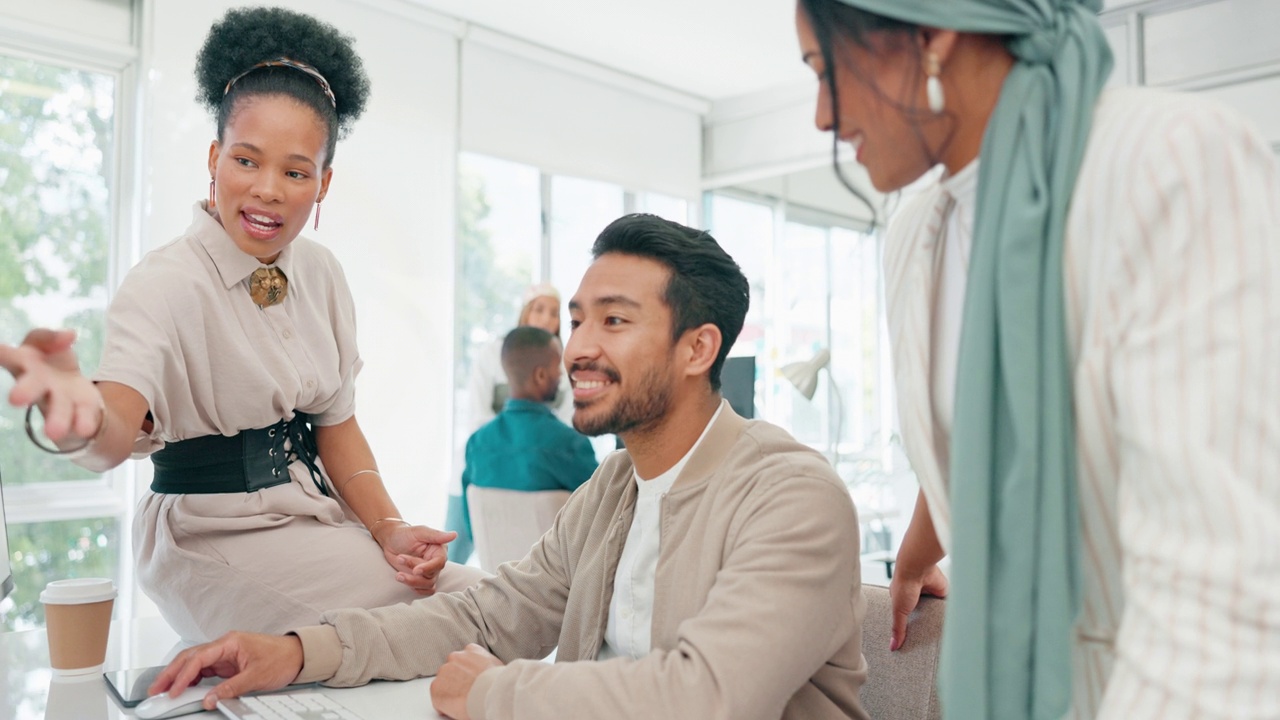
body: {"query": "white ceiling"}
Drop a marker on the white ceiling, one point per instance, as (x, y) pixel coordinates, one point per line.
(713, 49)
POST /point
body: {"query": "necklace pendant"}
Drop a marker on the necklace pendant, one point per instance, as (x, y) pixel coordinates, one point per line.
(268, 286)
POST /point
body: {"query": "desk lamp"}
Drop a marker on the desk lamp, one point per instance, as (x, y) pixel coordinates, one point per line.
(804, 376)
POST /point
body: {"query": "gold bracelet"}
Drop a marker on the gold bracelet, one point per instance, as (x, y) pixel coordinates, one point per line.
(74, 452)
(378, 522)
(347, 482)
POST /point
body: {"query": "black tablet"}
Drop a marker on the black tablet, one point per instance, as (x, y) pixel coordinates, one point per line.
(130, 686)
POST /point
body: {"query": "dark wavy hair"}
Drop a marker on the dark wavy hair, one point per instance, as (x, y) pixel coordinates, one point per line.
(245, 37)
(706, 285)
(834, 22)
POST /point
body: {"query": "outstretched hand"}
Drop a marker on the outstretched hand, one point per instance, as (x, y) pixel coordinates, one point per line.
(46, 371)
(904, 594)
(417, 553)
(249, 661)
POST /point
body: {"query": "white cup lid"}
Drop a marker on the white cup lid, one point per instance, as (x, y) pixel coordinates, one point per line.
(78, 591)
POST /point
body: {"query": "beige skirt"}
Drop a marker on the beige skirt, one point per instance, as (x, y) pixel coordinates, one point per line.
(267, 561)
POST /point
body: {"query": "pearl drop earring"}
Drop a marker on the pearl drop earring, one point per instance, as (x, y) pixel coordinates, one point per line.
(932, 85)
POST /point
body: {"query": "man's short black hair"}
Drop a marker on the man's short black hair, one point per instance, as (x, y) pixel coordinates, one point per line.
(706, 285)
(524, 350)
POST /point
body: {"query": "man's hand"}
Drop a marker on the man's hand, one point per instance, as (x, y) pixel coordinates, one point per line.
(417, 553)
(250, 661)
(454, 680)
(904, 594)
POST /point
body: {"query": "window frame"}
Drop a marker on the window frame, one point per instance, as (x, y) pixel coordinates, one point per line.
(115, 492)
(784, 212)
(888, 468)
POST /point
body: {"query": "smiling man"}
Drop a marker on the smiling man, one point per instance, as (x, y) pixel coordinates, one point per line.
(710, 570)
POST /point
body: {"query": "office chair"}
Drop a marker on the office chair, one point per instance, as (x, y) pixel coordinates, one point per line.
(506, 523)
(903, 684)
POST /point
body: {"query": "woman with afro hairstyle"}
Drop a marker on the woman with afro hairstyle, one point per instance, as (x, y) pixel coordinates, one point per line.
(231, 359)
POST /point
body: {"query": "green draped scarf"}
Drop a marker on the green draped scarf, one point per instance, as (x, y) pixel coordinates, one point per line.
(1015, 578)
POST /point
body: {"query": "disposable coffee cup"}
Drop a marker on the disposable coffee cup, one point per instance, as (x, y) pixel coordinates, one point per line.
(77, 616)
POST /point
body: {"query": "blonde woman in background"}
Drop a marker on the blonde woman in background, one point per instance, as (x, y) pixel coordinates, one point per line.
(487, 387)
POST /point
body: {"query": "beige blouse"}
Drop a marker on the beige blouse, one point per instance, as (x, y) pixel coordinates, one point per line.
(184, 333)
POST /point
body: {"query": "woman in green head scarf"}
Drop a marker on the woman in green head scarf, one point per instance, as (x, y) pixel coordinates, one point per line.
(1083, 312)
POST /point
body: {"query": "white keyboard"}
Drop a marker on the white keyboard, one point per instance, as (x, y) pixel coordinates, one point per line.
(286, 706)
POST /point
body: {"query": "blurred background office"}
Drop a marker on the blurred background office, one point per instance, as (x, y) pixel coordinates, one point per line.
(502, 136)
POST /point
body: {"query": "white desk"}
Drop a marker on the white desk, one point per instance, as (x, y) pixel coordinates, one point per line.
(29, 692)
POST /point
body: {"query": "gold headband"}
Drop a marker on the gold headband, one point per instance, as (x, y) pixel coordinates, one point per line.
(286, 62)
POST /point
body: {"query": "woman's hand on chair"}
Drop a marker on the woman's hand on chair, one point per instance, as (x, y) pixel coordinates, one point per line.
(904, 594)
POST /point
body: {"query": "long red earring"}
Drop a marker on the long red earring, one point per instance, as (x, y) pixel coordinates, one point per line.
(317, 225)
(211, 202)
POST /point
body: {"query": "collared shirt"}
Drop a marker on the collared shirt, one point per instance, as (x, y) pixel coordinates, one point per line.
(948, 309)
(631, 610)
(183, 332)
(524, 448)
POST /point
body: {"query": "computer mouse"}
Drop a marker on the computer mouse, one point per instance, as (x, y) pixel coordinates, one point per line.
(163, 706)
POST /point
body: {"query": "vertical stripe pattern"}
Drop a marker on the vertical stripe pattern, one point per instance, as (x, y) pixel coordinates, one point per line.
(1172, 286)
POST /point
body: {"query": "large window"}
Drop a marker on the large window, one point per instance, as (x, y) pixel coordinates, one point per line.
(519, 225)
(815, 288)
(744, 228)
(579, 210)
(499, 254)
(57, 163)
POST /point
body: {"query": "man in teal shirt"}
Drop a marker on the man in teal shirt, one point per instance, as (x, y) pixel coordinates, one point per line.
(525, 447)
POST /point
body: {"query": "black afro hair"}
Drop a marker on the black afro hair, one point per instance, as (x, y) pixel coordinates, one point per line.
(245, 37)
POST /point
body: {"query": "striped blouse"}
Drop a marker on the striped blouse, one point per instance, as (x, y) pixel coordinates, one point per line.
(1173, 301)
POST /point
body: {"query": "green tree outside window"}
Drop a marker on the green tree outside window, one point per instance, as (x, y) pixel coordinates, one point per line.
(57, 157)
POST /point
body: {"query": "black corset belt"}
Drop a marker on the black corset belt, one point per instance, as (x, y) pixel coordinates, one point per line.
(246, 462)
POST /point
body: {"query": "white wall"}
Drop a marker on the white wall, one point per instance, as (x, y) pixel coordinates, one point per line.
(763, 134)
(388, 216)
(1224, 48)
(566, 117)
